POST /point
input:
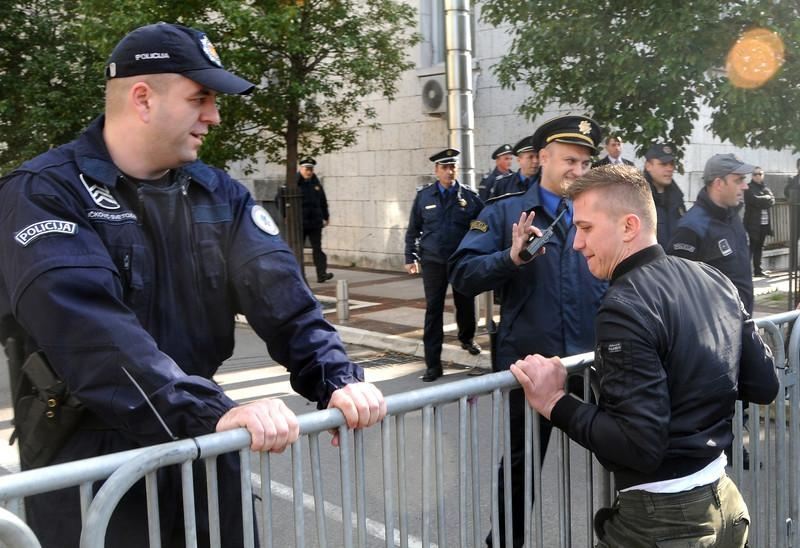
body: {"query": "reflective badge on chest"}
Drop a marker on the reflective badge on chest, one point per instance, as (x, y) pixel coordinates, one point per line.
(100, 195)
(263, 220)
(724, 247)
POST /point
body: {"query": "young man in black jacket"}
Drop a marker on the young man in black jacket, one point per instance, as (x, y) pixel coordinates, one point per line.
(670, 374)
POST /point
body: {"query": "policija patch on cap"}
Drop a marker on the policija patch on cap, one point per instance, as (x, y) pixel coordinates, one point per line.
(264, 221)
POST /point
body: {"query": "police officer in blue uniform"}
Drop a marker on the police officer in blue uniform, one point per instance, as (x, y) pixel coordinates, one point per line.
(549, 302)
(440, 216)
(125, 260)
(659, 166)
(502, 157)
(712, 231)
(315, 215)
(528, 172)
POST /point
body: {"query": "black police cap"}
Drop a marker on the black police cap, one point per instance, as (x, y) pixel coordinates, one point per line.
(524, 145)
(570, 129)
(308, 161)
(664, 152)
(502, 149)
(448, 156)
(164, 48)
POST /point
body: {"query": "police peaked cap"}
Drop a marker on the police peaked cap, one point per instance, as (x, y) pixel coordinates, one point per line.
(164, 48)
(524, 145)
(501, 150)
(448, 156)
(664, 152)
(570, 129)
(308, 161)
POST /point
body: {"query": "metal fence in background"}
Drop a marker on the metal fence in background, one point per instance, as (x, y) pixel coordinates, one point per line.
(448, 471)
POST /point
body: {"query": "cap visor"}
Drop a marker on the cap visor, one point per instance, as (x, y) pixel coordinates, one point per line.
(575, 142)
(744, 169)
(220, 80)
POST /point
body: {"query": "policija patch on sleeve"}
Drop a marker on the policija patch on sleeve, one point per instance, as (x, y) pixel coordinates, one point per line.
(478, 225)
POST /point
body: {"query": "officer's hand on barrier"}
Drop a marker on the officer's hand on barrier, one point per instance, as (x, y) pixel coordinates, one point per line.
(543, 380)
(362, 405)
(272, 425)
(520, 233)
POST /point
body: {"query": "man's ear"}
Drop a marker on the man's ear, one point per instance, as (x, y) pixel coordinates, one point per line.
(632, 227)
(141, 96)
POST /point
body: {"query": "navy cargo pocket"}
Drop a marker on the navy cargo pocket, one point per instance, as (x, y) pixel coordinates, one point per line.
(701, 538)
(135, 268)
(213, 264)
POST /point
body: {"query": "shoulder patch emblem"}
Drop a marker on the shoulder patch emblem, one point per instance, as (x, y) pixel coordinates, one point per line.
(724, 247)
(100, 195)
(263, 220)
(478, 225)
(506, 195)
(684, 247)
(42, 228)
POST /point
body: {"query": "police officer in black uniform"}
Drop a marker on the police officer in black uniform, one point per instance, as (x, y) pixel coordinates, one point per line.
(315, 215)
(440, 216)
(125, 262)
(502, 157)
(659, 166)
(528, 173)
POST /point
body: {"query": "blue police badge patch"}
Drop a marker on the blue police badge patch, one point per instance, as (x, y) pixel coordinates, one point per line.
(724, 247)
(42, 228)
(263, 220)
(100, 195)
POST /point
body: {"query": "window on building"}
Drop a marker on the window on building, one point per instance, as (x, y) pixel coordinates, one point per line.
(432, 26)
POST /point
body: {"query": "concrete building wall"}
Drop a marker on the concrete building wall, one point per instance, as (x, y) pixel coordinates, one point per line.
(371, 185)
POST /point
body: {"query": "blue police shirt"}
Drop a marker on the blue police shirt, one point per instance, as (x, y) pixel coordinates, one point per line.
(548, 304)
(102, 273)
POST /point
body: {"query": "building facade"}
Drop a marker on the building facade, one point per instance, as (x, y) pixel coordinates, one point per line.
(371, 185)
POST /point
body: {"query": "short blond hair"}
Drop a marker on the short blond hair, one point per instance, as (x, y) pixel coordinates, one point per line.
(624, 190)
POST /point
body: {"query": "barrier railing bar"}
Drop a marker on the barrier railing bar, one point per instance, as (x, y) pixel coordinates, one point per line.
(475, 484)
(588, 467)
(562, 463)
(426, 475)
(495, 467)
(441, 518)
(347, 495)
(153, 517)
(528, 475)
(508, 513)
(402, 501)
(212, 492)
(246, 482)
(388, 488)
(297, 491)
(187, 489)
(463, 514)
(86, 496)
(319, 491)
(361, 488)
(755, 470)
(266, 501)
(538, 521)
(15, 532)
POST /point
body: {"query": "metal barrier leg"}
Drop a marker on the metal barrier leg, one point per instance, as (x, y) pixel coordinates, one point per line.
(388, 490)
(297, 486)
(212, 491)
(153, 520)
(15, 533)
(528, 475)
(347, 497)
(476, 480)
(508, 503)
(266, 501)
(187, 489)
(319, 492)
(361, 488)
(427, 412)
(463, 472)
(402, 501)
(441, 518)
(495, 467)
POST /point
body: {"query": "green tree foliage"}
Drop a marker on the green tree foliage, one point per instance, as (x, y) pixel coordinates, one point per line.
(314, 60)
(646, 68)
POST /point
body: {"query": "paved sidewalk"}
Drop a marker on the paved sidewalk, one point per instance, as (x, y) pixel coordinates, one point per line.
(387, 311)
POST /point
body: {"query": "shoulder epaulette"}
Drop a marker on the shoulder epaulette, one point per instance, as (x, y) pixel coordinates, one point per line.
(422, 187)
(474, 191)
(504, 175)
(506, 195)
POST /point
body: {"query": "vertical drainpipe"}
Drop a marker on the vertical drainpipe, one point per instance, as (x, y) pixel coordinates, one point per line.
(460, 115)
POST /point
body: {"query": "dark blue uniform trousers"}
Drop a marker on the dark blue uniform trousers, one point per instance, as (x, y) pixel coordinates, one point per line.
(434, 280)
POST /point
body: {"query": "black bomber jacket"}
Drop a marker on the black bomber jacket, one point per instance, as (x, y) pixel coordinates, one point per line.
(674, 350)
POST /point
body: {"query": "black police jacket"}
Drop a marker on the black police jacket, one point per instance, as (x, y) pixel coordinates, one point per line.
(315, 204)
(670, 370)
(757, 198)
(438, 222)
(715, 235)
(669, 210)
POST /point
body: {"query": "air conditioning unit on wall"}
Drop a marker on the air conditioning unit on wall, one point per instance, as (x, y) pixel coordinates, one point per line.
(434, 94)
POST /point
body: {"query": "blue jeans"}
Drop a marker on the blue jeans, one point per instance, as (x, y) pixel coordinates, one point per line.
(713, 515)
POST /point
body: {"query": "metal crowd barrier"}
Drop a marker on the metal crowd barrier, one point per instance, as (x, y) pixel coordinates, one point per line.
(771, 487)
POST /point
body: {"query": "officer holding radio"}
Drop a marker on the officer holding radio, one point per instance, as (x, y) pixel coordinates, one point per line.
(549, 300)
(440, 216)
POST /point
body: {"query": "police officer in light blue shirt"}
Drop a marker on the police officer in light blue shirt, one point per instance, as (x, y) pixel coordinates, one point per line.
(440, 216)
(125, 262)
